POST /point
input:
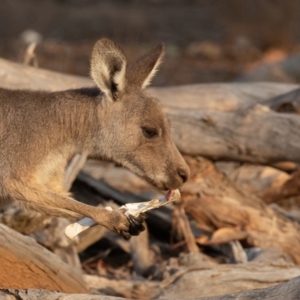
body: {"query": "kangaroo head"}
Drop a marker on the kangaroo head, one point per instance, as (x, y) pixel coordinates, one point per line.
(134, 130)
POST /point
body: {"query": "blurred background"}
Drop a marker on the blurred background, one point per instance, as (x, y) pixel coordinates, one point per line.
(206, 41)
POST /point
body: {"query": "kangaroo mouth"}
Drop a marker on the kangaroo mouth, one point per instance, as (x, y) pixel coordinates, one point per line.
(170, 193)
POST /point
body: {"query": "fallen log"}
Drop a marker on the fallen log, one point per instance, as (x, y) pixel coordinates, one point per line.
(257, 179)
(251, 136)
(38, 294)
(196, 278)
(289, 102)
(216, 204)
(119, 178)
(17, 76)
(288, 189)
(222, 280)
(26, 264)
(287, 290)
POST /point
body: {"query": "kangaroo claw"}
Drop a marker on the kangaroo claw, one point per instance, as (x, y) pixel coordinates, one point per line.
(136, 224)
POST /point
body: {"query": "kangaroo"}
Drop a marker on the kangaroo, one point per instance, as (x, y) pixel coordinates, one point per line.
(116, 120)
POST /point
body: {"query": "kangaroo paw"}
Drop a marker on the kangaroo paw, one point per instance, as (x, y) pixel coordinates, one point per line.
(136, 224)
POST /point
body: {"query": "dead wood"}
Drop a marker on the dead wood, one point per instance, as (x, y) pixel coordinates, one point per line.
(89, 237)
(225, 279)
(249, 136)
(46, 230)
(235, 253)
(220, 96)
(287, 290)
(132, 289)
(288, 189)
(288, 103)
(119, 178)
(199, 279)
(142, 256)
(36, 266)
(17, 76)
(256, 179)
(216, 203)
(181, 226)
(39, 294)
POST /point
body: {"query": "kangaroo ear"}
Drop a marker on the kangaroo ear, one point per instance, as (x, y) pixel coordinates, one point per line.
(108, 68)
(143, 70)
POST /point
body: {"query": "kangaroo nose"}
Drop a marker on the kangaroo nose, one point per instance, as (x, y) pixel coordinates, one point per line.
(183, 175)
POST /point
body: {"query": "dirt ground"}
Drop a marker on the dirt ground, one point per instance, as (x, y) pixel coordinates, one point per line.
(206, 41)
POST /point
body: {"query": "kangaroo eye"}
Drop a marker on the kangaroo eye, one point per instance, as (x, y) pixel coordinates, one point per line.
(149, 132)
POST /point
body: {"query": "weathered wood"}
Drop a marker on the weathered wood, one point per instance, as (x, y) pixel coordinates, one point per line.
(256, 179)
(89, 237)
(119, 178)
(17, 76)
(250, 136)
(225, 279)
(288, 102)
(142, 256)
(26, 264)
(287, 290)
(216, 203)
(181, 227)
(288, 189)
(39, 294)
(199, 281)
(220, 96)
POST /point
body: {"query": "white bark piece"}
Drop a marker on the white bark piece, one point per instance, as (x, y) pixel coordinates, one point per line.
(134, 209)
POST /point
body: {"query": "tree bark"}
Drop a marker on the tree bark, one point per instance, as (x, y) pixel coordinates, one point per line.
(249, 136)
(25, 264)
(217, 204)
(239, 279)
